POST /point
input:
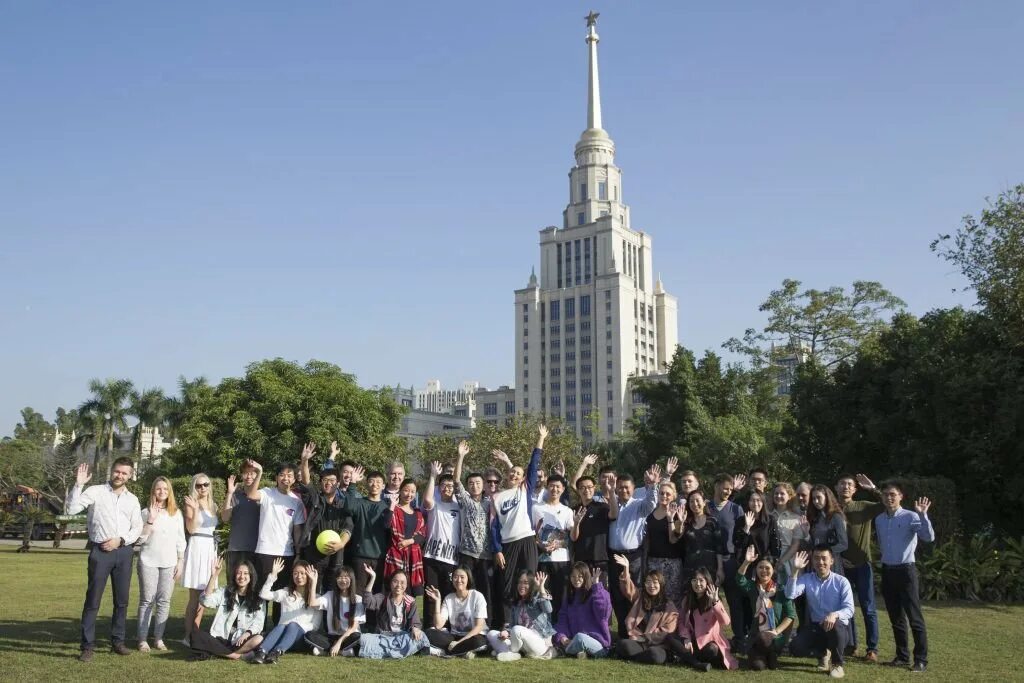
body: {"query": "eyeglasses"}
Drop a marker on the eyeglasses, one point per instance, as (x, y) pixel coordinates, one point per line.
(494, 481)
(203, 485)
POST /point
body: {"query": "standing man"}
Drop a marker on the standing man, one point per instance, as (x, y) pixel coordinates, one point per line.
(857, 557)
(728, 514)
(244, 516)
(396, 475)
(757, 482)
(898, 531)
(554, 522)
(324, 512)
(114, 521)
(444, 529)
(591, 522)
(688, 483)
(626, 536)
(475, 538)
(280, 530)
(371, 531)
(829, 610)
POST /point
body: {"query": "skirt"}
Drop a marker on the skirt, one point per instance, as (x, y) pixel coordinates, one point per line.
(672, 569)
(200, 555)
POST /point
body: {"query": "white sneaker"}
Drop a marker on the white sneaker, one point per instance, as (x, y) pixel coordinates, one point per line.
(837, 672)
(143, 646)
(159, 645)
(509, 656)
(317, 651)
(470, 655)
(825, 661)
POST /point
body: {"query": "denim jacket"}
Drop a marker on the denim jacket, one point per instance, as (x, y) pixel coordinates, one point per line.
(534, 614)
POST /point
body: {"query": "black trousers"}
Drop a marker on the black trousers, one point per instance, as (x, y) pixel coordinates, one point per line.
(327, 566)
(642, 652)
(205, 645)
(264, 565)
(902, 597)
(439, 575)
(519, 555)
(117, 566)
(762, 653)
(325, 642)
(378, 566)
(709, 654)
(483, 575)
(814, 640)
(442, 639)
(620, 603)
(558, 577)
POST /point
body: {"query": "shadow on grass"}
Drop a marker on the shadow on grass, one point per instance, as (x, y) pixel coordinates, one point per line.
(1002, 608)
(60, 638)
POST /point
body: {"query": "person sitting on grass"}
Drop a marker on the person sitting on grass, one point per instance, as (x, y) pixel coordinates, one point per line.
(829, 611)
(582, 629)
(344, 609)
(300, 610)
(393, 626)
(772, 612)
(650, 620)
(528, 629)
(699, 642)
(238, 623)
(465, 612)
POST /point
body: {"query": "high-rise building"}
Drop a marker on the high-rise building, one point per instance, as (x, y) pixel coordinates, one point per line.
(595, 316)
(435, 399)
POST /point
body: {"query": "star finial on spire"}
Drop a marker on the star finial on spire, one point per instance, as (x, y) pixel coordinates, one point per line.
(592, 18)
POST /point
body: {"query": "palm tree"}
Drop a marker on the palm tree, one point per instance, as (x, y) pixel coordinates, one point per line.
(176, 408)
(148, 406)
(104, 414)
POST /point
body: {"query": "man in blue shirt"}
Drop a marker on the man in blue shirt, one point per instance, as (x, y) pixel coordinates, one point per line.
(626, 535)
(898, 531)
(829, 610)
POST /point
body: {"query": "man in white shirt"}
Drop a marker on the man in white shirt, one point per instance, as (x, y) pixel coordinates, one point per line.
(281, 518)
(444, 533)
(554, 522)
(114, 524)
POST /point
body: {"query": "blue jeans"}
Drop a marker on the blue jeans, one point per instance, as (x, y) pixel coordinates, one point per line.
(581, 642)
(282, 637)
(863, 581)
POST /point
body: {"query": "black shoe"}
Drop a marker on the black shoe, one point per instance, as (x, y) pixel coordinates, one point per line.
(120, 649)
(273, 657)
(259, 656)
(902, 663)
(85, 655)
(919, 668)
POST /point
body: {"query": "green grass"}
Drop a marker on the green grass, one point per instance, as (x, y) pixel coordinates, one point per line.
(41, 597)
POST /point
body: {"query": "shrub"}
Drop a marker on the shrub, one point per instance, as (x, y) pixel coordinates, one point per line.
(979, 569)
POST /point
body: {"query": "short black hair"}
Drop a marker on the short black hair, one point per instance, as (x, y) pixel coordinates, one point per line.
(559, 478)
(893, 485)
(758, 470)
(628, 478)
(822, 549)
(375, 474)
(284, 467)
(846, 476)
(469, 575)
(348, 463)
(474, 474)
(607, 469)
(724, 478)
(444, 478)
(583, 479)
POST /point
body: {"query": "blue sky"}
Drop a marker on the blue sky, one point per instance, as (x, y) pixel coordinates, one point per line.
(188, 187)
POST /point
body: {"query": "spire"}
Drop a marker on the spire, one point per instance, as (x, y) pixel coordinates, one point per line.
(594, 82)
(533, 277)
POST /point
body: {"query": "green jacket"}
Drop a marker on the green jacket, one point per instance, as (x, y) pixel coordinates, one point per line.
(371, 520)
(782, 606)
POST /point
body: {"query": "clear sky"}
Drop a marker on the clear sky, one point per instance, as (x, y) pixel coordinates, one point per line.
(189, 187)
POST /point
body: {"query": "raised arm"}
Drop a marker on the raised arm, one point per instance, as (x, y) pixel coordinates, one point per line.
(78, 500)
(252, 491)
(612, 500)
(463, 452)
(925, 531)
(428, 494)
(587, 461)
(794, 588)
(626, 584)
(308, 451)
(229, 501)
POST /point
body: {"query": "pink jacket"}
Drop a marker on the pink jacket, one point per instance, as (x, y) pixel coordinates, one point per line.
(707, 628)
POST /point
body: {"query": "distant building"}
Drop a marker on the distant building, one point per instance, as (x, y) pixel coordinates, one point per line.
(636, 406)
(497, 407)
(786, 359)
(435, 399)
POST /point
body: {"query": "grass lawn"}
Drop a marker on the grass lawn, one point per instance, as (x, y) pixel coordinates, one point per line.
(41, 597)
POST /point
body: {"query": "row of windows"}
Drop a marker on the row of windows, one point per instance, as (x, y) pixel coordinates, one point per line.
(573, 259)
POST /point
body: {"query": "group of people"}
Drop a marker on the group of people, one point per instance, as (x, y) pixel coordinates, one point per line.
(510, 561)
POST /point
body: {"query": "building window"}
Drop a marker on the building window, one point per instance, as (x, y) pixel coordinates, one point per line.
(584, 305)
(526, 360)
(555, 329)
(570, 355)
(583, 192)
(555, 343)
(526, 345)
(556, 386)
(570, 399)
(585, 354)
(607, 305)
(584, 326)
(585, 383)
(555, 311)
(609, 411)
(510, 407)
(555, 372)
(585, 369)
(611, 432)
(609, 364)
(586, 398)
(526, 403)
(526, 387)
(570, 328)
(526, 309)
(556, 401)
(607, 320)
(570, 308)
(602, 190)
(615, 193)
(570, 342)
(570, 385)
(490, 409)
(570, 416)
(580, 220)
(610, 394)
(607, 295)
(576, 256)
(558, 260)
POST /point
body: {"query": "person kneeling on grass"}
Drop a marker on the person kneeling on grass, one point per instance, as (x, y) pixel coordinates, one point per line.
(237, 626)
(465, 612)
(582, 629)
(650, 620)
(829, 611)
(528, 630)
(344, 609)
(392, 622)
(699, 641)
(773, 613)
(300, 610)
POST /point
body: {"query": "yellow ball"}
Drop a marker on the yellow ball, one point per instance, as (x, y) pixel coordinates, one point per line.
(325, 538)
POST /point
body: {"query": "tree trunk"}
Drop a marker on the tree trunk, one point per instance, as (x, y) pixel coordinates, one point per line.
(152, 443)
(58, 536)
(26, 538)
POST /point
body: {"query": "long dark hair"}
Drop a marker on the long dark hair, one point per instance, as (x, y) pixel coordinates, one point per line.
(513, 596)
(763, 516)
(250, 602)
(653, 603)
(701, 602)
(581, 594)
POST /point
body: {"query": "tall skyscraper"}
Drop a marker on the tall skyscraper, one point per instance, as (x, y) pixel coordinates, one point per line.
(595, 316)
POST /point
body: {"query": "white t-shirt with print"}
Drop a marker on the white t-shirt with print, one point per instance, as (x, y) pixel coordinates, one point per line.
(279, 512)
(462, 614)
(328, 606)
(444, 531)
(555, 523)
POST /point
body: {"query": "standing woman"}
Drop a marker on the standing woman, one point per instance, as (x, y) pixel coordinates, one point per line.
(699, 642)
(582, 629)
(160, 562)
(703, 545)
(529, 628)
(201, 553)
(651, 619)
(465, 611)
(759, 529)
(792, 528)
(773, 613)
(664, 552)
(827, 523)
(408, 532)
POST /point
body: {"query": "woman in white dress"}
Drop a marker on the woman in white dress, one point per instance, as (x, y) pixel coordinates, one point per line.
(200, 521)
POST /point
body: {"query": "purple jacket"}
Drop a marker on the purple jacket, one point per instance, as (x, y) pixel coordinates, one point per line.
(590, 617)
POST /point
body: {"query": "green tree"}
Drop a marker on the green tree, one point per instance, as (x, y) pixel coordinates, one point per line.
(989, 251)
(103, 416)
(21, 462)
(148, 407)
(34, 427)
(827, 325)
(59, 471)
(278, 405)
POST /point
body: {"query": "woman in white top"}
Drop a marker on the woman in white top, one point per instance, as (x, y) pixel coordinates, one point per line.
(465, 611)
(200, 521)
(160, 562)
(344, 609)
(792, 525)
(238, 623)
(300, 610)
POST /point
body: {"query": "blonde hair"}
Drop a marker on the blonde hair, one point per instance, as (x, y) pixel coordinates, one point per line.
(172, 505)
(792, 503)
(669, 485)
(195, 496)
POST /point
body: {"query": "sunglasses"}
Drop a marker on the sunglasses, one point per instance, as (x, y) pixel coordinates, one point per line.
(203, 485)
(493, 481)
